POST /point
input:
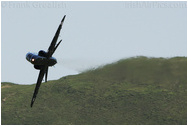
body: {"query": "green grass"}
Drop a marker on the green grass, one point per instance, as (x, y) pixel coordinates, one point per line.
(136, 90)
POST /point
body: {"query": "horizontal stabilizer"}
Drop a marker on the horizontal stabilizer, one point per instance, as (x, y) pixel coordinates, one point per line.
(57, 46)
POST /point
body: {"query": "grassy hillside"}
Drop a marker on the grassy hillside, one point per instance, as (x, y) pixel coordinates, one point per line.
(132, 91)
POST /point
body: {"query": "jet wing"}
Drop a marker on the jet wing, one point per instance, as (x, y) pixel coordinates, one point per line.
(53, 43)
(40, 77)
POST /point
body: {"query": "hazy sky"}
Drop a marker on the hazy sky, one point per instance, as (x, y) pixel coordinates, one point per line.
(94, 33)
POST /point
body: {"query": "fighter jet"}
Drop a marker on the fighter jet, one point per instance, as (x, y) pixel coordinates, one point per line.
(43, 60)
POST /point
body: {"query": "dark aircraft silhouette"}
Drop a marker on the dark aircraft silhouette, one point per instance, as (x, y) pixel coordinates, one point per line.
(43, 60)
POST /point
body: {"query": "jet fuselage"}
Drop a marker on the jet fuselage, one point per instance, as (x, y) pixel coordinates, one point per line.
(40, 60)
(43, 60)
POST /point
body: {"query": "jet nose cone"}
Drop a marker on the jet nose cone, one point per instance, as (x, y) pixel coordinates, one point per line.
(52, 61)
(55, 61)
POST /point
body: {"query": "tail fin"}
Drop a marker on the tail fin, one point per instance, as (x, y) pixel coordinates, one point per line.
(46, 74)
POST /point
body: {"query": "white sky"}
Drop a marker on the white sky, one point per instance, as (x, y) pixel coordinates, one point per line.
(94, 33)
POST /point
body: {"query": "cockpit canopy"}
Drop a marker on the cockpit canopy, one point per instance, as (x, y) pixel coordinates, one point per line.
(42, 53)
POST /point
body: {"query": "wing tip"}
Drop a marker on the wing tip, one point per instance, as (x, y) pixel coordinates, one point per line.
(63, 19)
(32, 101)
(31, 104)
